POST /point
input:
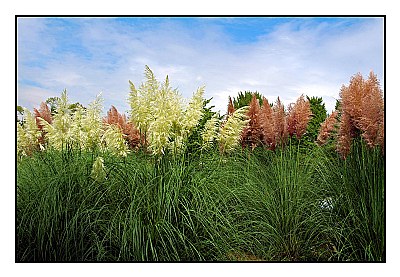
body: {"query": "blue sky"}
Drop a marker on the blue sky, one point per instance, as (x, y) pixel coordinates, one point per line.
(283, 57)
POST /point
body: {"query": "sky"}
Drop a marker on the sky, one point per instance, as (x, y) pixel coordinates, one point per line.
(276, 56)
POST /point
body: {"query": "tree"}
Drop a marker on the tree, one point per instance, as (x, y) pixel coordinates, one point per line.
(53, 103)
(194, 140)
(317, 118)
(73, 107)
(20, 112)
(244, 99)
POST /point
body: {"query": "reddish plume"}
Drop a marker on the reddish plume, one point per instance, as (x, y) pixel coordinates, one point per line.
(252, 133)
(299, 115)
(327, 128)
(362, 108)
(128, 129)
(44, 113)
(352, 96)
(280, 128)
(267, 124)
(345, 135)
(231, 109)
(372, 112)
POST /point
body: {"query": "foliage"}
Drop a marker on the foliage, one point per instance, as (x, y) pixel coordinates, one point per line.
(82, 195)
(318, 116)
(20, 110)
(20, 113)
(53, 103)
(244, 99)
(77, 206)
(356, 189)
(196, 139)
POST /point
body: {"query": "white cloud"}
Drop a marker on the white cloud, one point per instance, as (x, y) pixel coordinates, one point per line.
(30, 96)
(295, 58)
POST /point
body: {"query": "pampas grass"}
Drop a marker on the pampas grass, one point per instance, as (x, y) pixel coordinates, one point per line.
(87, 197)
(131, 133)
(362, 112)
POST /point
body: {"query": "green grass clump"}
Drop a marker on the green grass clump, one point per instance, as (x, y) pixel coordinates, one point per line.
(259, 205)
(357, 190)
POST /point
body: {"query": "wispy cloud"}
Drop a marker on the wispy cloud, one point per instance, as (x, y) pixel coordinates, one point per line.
(278, 57)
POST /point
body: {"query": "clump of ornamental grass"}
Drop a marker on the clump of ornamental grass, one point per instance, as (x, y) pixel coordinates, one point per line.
(298, 116)
(356, 179)
(98, 172)
(271, 127)
(157, 110)
(327, 128)
(362, 113)
(210, 132)
(231, 108)
(44, 113)
(230, 131)
(112, 140)
(59, 207)
(273, 124)
(252, 133)
(58, 133)
(371, 120)
(280, 126)
(356, 190)
(267, 124)
(28, 136)
(360, 191)
(91, 124)
(82, 129)
(131, 133)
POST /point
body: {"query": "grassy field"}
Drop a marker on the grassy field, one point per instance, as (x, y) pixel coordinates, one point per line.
(287, 205)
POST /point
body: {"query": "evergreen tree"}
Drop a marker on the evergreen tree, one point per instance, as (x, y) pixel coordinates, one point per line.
(194, 140)
(318, 116)
(20, 113)
(244, 99)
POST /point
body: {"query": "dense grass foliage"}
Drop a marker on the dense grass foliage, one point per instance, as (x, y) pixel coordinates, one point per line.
(357, 192)
(178, 182)
(260, 205)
